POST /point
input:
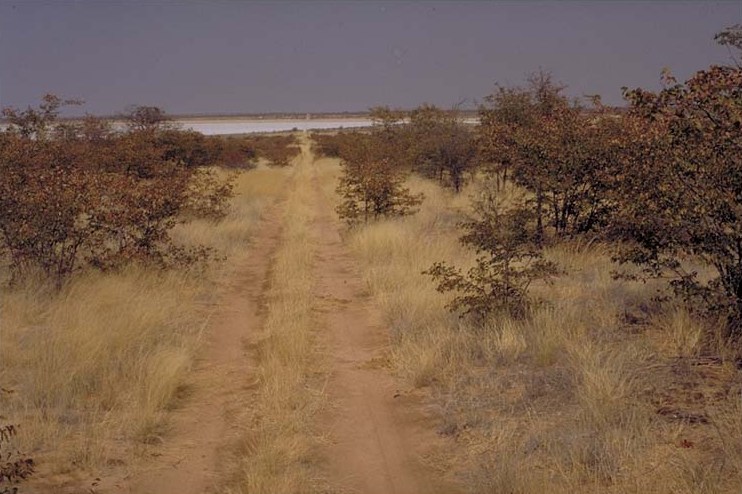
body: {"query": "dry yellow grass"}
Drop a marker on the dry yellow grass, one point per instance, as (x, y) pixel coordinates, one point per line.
(597, 392)
(279, 439)
(254, 191)
(95, 366)
(96, 362)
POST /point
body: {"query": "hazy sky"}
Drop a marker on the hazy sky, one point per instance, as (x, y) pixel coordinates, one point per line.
(230, 56)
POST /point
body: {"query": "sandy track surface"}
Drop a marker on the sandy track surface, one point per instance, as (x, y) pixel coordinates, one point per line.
(202, 428)
(377, 436)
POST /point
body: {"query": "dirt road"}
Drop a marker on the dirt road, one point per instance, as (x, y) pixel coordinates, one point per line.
(376, 436)
(379, 434)
(202, 430)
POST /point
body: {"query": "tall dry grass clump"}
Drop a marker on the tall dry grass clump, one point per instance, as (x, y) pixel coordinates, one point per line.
(277, 451)
(95, 366)
(599, 389)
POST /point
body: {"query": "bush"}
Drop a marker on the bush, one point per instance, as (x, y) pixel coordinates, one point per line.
(568, 159)
(441, 146)
(334, 145)
(233, 152)
(78, 195)
(684, 189)
(208, 196)
(278, 150)
(370, 187)
(508, 261)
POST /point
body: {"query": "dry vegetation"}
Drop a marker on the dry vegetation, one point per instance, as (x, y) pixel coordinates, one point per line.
(597, 391)
(92, 365)
(280, 438)
(553, 369)
(549, 372)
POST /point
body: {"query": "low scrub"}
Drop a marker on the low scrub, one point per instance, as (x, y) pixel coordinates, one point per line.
(276, 150)
(686, 182)
(97, 337)
(371, 188)
(595, 391)
(508, 260)
(78, 196)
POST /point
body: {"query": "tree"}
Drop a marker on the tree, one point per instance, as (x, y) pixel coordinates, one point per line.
(566, 158)
(510, 128)
(386, 118)
(37, 122)
(441, 146)
(508, 110)
(145, 118)
(371, 187)
(731, 37)
(685, 188)
(77, 195)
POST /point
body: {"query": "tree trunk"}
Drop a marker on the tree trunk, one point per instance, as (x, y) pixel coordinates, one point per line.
(539, 217)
